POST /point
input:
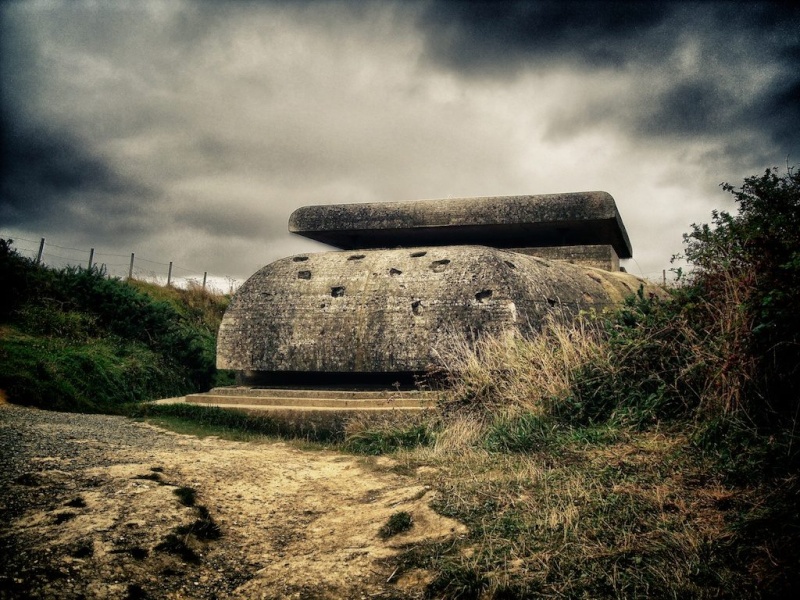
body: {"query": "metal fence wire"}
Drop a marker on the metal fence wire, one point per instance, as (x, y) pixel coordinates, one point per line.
(123, 266)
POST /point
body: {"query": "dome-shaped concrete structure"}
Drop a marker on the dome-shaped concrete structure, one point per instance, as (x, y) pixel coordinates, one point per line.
(412, 274)
(388, 311)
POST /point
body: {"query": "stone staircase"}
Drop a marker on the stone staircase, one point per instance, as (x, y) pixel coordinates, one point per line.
(312, 412)
(278, 402)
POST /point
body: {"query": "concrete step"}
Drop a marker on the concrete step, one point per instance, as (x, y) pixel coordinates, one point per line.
(318, 413)
(298, 411)
(286, 401)
(325, 393)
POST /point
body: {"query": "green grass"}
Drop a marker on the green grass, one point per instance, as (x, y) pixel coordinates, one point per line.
(228, 424)
(90, 376)
(634, 517)
(385, 434)
(398, 523)
(76, 340)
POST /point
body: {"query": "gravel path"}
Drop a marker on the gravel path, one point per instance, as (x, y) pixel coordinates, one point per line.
(32, 441)
(89, 509)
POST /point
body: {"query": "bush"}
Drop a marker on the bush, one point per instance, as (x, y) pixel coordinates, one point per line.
(747, 276)
(727, 344)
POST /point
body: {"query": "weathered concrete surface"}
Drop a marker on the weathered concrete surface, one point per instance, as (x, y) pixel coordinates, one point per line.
(599, 257)
(574, 219)
(386, 311)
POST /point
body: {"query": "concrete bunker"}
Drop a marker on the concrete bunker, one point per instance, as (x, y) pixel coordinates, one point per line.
(423, 271)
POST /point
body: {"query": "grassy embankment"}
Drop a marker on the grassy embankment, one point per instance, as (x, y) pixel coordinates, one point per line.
(651, 452)
(73, 339)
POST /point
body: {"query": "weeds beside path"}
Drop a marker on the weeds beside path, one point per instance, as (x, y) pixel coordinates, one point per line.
(99, 506)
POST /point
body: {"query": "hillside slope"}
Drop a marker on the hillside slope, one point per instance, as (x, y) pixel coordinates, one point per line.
(73, 339)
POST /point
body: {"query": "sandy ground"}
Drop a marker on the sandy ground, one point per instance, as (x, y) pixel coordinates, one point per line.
(89, 509)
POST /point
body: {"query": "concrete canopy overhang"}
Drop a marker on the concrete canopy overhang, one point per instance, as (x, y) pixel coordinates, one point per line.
(571, 219)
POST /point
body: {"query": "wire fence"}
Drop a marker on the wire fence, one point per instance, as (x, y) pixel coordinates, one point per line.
(131, 265)
(136, 266)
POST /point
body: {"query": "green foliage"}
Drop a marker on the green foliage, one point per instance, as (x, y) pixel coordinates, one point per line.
(649, 372)
(87, 376)
(751, 260)
(726, 343)
(398, 523)
(385, 437)
(742, 454)
(74, 339)
(526, 432)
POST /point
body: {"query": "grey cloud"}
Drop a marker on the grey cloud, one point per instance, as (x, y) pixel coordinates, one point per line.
(690, 108)
(50, 177)
(505, 37)
(226, 222)
(200, 125)
(646, 42)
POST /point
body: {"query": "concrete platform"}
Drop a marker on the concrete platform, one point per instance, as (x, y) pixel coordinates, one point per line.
(571, 219)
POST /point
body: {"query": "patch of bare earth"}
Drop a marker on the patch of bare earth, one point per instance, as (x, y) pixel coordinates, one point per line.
(91, 511)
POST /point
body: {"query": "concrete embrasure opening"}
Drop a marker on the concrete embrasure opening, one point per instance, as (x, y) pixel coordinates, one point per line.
(337, 292)
(438, 266)
(483, 295)
(304, 274)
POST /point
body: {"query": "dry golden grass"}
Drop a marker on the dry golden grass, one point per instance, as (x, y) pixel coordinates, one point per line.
(513, 372)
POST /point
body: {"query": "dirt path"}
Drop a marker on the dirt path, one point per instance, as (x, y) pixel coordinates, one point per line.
(89, 509)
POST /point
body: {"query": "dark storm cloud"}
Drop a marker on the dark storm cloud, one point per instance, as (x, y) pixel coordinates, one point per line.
(687, 61)
(192, 129)
(496, 37)
(49, 177)
(52, 178)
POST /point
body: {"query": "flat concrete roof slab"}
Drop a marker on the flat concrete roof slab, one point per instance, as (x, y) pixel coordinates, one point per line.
(573, 219)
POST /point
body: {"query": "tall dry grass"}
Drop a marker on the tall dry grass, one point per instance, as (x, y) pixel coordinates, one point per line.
(516, 371)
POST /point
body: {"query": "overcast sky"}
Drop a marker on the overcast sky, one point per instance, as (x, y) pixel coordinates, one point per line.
(189, 131)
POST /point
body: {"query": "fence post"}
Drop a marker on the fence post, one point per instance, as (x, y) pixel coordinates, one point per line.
(169, 274)
(41, 252)
(91, 258)
(664, 276)
(130, 269)
(205, 275)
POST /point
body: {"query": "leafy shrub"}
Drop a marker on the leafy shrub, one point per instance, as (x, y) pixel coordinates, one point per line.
(650, 370)
(747, 281)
